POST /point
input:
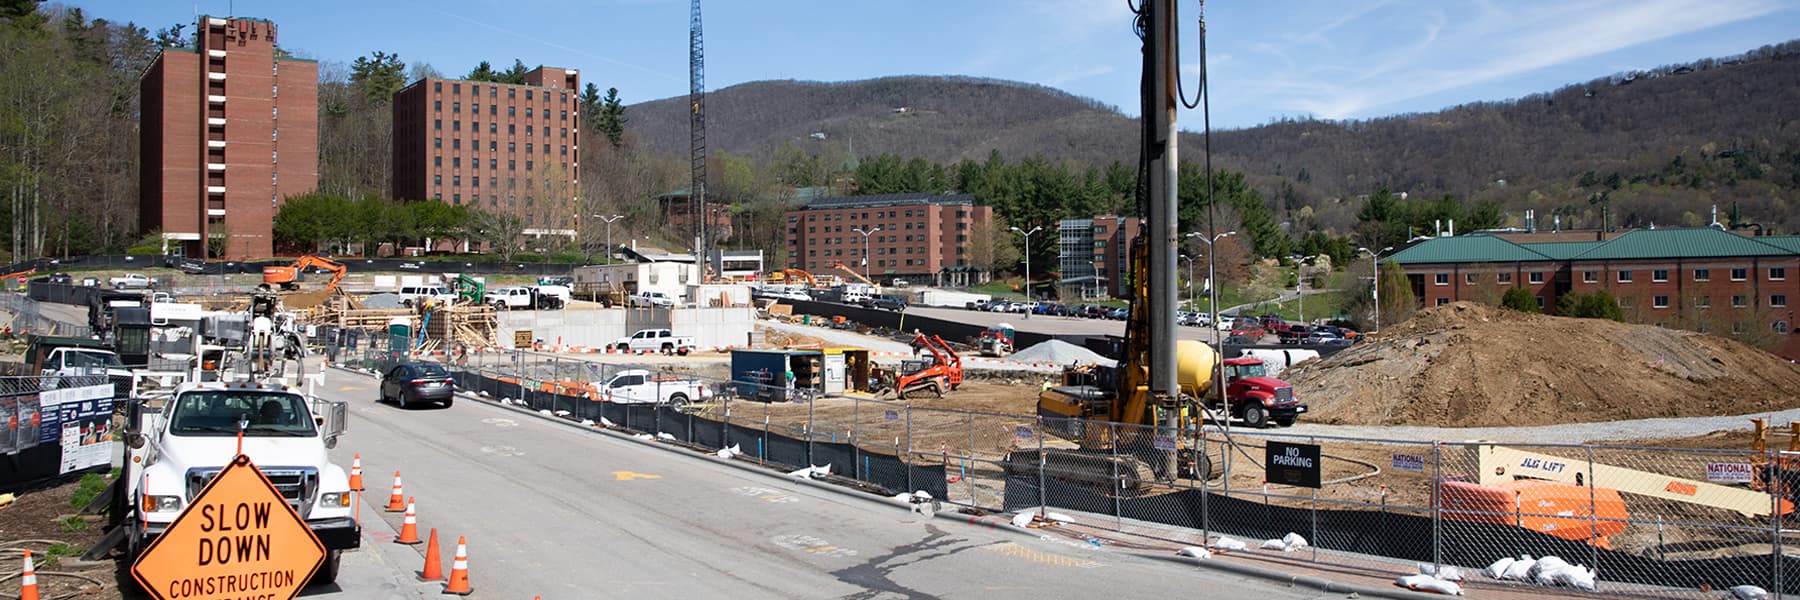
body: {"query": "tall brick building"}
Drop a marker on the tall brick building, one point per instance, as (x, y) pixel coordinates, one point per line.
(922, 238)
(230, 129)
(497, 147)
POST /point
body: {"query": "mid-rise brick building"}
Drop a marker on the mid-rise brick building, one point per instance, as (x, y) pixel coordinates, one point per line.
(1093, 254)
(920, 238)
(1707, 279)
(230, 129)
(498, 147)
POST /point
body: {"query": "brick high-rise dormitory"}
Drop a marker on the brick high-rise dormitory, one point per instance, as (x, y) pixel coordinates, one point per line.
(497, 147)
(230, 129)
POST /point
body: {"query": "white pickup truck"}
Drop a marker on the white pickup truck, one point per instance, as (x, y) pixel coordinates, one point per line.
(132, 280)
(175, 449)
(655, 340)
(657, 299)
(640, 386)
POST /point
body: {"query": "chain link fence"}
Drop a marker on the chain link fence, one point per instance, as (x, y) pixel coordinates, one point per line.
(1642, 521)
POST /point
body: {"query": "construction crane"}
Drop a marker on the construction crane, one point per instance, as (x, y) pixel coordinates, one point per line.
(697, 135)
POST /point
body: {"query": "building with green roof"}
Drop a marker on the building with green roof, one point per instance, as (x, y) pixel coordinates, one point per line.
(1702, 278)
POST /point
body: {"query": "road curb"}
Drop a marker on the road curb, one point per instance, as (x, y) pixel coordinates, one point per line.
(988, 521)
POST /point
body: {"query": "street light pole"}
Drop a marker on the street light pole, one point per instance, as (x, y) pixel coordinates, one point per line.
(1376, 256)
(865, 256)
(1027, 253)
(1212, 293)
(609, 222)
(1190, 279)
(1300, 284)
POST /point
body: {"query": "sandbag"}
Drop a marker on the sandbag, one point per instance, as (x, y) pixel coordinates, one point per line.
(1427, 583)
(1498, 568)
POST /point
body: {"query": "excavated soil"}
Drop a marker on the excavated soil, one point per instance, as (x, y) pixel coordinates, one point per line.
(1472, 365)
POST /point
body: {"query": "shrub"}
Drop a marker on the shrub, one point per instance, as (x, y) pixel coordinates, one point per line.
(1519, 299)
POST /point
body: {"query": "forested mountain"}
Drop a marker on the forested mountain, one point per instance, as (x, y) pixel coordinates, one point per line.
(1659, 146)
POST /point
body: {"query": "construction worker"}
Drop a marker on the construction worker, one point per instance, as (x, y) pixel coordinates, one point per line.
(1046, 386)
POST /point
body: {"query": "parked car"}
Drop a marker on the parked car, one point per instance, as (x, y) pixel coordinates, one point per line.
(1294, 334)
(640, 386)
(409, 383)
(655, 340)
(1118, 314)
(889, 302)
(999, 306)
(978, 304)
(132, 280)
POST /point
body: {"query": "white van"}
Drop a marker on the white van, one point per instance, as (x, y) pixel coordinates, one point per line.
(412, 295)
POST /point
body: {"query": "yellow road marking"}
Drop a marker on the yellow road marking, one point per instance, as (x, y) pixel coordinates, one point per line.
(351, 388)
(628, 476)
(1017, 551)
(820, 549)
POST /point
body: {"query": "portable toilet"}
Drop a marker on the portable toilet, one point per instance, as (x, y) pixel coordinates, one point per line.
(846, 369)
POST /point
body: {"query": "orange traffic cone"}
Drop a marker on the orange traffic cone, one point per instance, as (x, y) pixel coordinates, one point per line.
(409, 527)
(28, 582)
(459, 571)
(356, 473)
(434, 564)
(396, 502)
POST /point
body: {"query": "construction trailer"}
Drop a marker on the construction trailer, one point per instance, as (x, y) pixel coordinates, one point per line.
(762, 374)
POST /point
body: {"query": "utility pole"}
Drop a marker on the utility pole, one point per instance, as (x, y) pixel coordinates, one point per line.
(1160, 152)
(1376, 256)
(1212, 287)
(1300, 284)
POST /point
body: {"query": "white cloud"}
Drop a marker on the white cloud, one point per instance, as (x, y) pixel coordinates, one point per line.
(1437, 51)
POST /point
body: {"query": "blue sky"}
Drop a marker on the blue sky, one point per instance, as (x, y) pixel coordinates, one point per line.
(1328, 59)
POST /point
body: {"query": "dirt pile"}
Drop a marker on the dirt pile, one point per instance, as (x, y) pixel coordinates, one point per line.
(1472, 365)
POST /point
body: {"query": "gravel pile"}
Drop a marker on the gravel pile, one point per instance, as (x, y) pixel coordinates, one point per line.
(1059, 352)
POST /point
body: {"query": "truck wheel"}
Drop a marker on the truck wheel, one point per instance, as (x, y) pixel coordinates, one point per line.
(1285, 422)
(681, 351)
(1256, 416)
(679, 402)
(328, 572)
(668, 348)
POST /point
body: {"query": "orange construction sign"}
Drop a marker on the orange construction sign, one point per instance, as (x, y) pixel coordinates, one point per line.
(238, 539)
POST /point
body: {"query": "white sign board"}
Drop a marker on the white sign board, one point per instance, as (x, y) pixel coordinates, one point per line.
(1165, 442)
(1414, 463)
(1729, 472)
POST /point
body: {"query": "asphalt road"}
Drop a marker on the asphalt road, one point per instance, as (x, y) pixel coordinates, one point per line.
(1048, 324)
(560, 512)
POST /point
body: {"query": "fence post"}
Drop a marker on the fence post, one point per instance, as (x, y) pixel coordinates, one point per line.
(906, 463)
(1118, 511)
(810, 405)
(1773, 458)
(856, 437)
(968, 457)
(1437, 506)
(1201, 458)
(1313, 513)
(1593, 508)
(1043, 463)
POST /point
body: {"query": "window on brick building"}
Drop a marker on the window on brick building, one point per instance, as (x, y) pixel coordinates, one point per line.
(1627, 302)
(1535, 277)
(1443, 301)
(456, 125)
(1739, 273)
(512, 93)
(1659, 275)
(437, 86)
(1540, 302)
(456, 181)
(1777, 273)
(456, 88)
(1442, 279)
(437, 142)
(1778, 301)
(1739, 301)
(1625, 276)
(456, 144)
(456, 162)
(1702, 274)
(1702, 301)
(1505, 278)
(1659, 302)
(1470, 278)
(437, 180)
(437, 106)
(437, 161)
(1590, 277)
(456, 107)
(437, 124)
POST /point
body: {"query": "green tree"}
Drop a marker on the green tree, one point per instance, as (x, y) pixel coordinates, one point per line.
(312, 219)
(1519, 299)
(485, 72)
(590, 105)
(378, 76)
(1596, 305)
(612, 117)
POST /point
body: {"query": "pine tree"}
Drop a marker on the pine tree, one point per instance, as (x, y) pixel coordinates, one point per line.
(612, 117)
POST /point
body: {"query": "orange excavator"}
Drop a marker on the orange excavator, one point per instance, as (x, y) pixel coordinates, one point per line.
(288, 277)
(792, 277)
(940, 373)
(846, 273)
